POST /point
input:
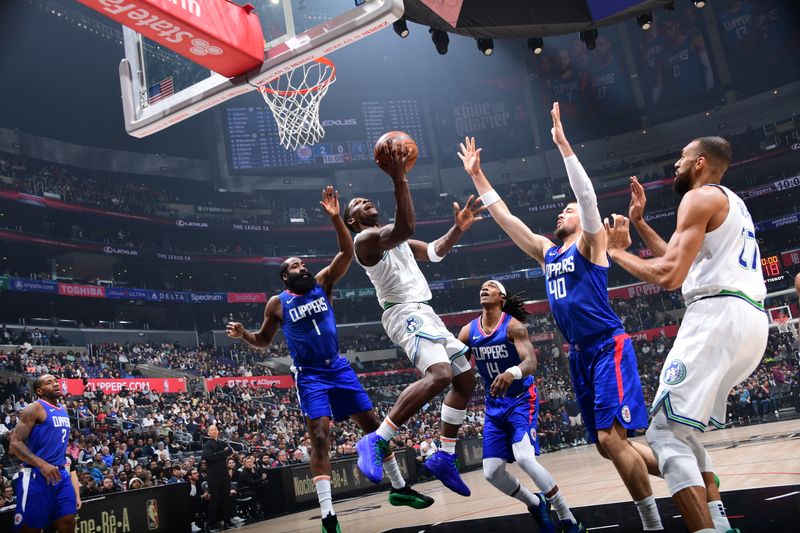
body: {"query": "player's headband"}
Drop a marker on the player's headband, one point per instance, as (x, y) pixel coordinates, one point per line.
(499, 286)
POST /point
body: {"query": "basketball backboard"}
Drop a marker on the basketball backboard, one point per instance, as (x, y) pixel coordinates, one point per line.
(160, 87)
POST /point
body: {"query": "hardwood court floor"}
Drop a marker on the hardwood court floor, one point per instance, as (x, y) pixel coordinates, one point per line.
(745, 457)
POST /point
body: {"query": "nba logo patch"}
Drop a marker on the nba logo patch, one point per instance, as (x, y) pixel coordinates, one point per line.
(151, 510)
(532, 433)
(675, 372)
(413, 323)
(17, 519)
(626, 414)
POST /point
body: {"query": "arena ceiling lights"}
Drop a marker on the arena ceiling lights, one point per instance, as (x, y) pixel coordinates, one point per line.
(523, 19)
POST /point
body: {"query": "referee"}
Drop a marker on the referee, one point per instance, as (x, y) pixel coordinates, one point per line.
(215, 454)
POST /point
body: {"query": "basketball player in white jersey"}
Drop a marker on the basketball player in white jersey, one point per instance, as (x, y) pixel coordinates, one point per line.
(713, 256)
(389, 256)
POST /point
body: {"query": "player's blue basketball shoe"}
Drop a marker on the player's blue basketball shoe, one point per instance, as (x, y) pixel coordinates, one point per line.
(443, 466)
(567, 526)
(541, 514)
(372, 450)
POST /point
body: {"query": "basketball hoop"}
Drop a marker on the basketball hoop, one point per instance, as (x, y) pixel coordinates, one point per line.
(783, 323)
(294, 101)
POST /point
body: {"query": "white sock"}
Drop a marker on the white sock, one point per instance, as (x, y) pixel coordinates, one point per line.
(718, 516)
(449, 444)
(393, 471)
(525, 496)
(323, 485)
(648, 512)
(561, 507)
(387, 429)
(706, 531)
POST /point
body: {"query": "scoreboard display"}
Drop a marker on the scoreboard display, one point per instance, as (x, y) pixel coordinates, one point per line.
(774, 272)
(351, 129)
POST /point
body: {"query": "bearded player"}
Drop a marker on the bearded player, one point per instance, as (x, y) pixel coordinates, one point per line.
(326, 384)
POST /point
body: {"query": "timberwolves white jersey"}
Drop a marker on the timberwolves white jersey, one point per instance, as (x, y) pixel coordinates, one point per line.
(397, 277)
(729, 259)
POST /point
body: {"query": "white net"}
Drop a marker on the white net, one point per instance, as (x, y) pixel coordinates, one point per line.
(294, 101)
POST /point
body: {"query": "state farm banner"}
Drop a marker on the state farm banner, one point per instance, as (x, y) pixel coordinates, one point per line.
(76, 387)
(650, 334)
(253, 382)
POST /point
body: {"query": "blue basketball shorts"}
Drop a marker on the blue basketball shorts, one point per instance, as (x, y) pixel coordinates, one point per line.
(607, 386)
(333, 392)
(509, 420)
(40, 504)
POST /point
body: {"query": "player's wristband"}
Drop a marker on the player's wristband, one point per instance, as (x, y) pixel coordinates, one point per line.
(432, 253)
(515, 371)
(490, 197)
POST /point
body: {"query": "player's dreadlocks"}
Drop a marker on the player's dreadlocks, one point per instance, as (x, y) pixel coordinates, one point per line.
(514, 305)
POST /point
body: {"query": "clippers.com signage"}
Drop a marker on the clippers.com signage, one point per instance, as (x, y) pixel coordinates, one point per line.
(253, 382)
(76, 387)
(200, 30)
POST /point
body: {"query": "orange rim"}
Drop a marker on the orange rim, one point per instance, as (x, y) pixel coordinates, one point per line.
(330, 79)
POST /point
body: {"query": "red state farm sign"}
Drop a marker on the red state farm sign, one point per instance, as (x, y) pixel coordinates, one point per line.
(217, 34)
(253, 382)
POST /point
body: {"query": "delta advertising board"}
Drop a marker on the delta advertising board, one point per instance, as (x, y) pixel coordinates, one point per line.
(76, 387)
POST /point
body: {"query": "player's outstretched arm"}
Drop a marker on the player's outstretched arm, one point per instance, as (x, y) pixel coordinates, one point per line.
(529, 242)
(328, 276)
(464, 219)
(405, 223)
(670, 270)
(273, 316)
(518, 334)
(592, 243)
(653, 240)
(29, 417)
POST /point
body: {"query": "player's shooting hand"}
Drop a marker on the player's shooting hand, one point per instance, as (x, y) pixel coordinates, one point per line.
(500, 384)
(638, 200)
(330, 201)
(234, 330)
(470, 156)
(50, 473)
(618, 235)
(471, 213)
(558, 129)
(395, 160)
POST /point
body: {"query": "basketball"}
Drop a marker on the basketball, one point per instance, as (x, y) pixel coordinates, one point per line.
(390, 138)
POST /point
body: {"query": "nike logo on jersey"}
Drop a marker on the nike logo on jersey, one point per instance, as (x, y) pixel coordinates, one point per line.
(290, 301)
(476, 337)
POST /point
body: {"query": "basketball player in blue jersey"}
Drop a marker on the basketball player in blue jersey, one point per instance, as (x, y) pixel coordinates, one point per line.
(602, 360)
(45, 491)
(504, 357)
(713, 256)
(684, 68)
(326, 384)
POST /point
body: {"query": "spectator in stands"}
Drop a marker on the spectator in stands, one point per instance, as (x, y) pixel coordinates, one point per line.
(215, 453)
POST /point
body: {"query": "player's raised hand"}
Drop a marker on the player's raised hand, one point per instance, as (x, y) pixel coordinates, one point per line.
(234, 330)
(500, 384)
(395, 160)
(618, 232)
(470, 156)
(638, 200)
(330, 201)
(558, 129)
(470, 214)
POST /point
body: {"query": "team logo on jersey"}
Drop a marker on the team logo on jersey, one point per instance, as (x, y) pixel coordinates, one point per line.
(17, 519)
(626, 414)
(675, 372)
(532, 433)
(413, 323)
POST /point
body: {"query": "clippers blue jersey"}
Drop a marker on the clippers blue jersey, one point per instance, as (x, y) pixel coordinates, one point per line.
(578, 293)
(310, 328)
(495, 353)
(48, 440)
